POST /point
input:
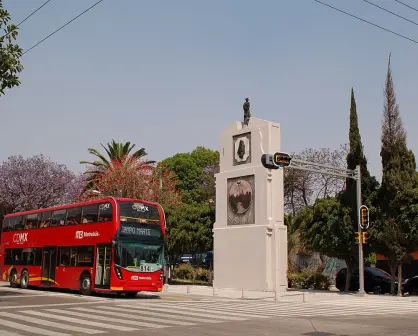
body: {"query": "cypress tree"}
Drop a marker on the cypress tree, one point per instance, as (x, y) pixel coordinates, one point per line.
(398, 162)
(398, 179)
(356, 157)
(369, 184)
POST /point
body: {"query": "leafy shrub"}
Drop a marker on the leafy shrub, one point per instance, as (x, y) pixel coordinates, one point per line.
(308, 279)
(371, 258)
(321, 281)
(184, 272)
(202, 274)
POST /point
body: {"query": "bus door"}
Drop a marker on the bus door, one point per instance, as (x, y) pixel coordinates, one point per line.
(103, 259)
(49, 262)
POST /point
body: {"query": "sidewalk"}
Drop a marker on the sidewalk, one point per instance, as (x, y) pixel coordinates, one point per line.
(289, 295)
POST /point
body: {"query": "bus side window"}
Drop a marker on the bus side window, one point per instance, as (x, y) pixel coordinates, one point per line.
(90, 213)
(18, 222)
(58, 217)
(85, 256)
(6, 225)
(46, 219)
(8, 260)
(32, 221)
(38, 256)
(74, 216)
(64, 259)
(15, 256)
(73, 256)
(105, 212)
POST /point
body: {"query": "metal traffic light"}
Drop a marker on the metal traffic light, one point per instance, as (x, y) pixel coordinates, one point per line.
(358, 237)
(364, 237)
(364, 217)
(276, 160)
(361, 237)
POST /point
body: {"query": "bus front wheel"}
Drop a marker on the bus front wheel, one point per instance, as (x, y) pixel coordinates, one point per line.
(85, 284)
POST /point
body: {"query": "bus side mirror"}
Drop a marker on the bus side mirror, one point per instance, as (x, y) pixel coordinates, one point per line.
(113, 243)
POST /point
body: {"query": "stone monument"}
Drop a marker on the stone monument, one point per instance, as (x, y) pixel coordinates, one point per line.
(250, 238)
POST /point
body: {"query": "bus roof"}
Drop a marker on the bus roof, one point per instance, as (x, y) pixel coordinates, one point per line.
(70, 205)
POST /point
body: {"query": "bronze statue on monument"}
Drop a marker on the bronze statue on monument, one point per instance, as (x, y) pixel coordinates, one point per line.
(247, 113)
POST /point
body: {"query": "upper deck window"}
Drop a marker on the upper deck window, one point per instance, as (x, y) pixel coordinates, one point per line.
(139, 212)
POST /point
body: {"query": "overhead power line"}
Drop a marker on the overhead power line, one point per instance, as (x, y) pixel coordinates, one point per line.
(368, 22)
(56, 31)
(33, 12)
(27, 17)
(402, 3)
(386, 10)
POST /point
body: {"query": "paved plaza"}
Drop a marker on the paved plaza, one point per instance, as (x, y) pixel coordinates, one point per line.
(58, 313)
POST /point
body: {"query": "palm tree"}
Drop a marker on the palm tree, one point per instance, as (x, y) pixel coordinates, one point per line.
(116, 152)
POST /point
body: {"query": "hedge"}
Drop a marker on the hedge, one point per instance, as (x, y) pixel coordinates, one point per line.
(308, 279)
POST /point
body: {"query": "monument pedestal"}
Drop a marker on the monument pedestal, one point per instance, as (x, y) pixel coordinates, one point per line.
(250, 238)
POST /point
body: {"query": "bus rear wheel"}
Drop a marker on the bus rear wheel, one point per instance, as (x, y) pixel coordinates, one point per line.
(85, 284)
(24, 279)
(13, 278)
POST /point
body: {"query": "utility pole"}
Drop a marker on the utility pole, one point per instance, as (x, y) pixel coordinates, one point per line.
(360, 245)
(282, 160)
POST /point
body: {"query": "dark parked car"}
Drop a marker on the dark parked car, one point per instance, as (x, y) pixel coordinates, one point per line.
(411, 285)
(376, 280)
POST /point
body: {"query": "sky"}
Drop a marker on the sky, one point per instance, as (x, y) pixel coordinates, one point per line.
(171, 75)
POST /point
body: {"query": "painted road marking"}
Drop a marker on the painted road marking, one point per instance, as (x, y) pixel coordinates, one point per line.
(79, 321)
(30, 329)
(49, 323)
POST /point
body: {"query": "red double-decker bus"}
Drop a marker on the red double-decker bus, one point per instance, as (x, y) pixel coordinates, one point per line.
(107, 245)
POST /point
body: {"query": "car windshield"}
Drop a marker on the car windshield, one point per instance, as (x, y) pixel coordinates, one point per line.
(378, 272)
(139, 257)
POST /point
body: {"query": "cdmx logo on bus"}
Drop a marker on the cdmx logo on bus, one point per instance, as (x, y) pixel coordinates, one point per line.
(20, 238)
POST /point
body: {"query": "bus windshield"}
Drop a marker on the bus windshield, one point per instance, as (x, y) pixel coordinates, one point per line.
(139, 257)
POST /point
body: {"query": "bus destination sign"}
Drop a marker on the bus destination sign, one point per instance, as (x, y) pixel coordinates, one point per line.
(143, 231)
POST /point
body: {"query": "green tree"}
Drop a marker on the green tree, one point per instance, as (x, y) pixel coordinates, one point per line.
(195, 172)
(369, 184)
(397, 236)
(189, 229)
(326, 228)
(356, 157)
(10, 53)
(398, 179)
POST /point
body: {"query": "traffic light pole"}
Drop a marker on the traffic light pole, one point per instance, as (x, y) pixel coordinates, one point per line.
(279, 160)
(360, 245)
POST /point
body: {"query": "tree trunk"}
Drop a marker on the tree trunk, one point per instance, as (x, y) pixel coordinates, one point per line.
(400, 280)
(292, 199)
(347, 279)
(393, 273)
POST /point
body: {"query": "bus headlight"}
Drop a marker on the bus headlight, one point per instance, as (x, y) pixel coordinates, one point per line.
(118, 273)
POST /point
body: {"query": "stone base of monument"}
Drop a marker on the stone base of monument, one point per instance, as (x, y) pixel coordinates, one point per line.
(250, 238)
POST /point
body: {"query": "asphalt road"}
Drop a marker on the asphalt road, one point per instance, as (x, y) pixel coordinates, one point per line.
(58, 313)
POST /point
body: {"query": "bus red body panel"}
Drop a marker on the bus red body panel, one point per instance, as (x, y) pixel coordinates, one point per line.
(115, 243)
